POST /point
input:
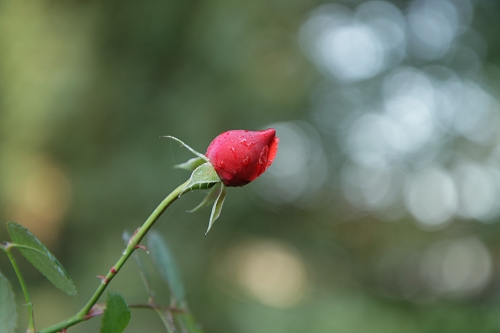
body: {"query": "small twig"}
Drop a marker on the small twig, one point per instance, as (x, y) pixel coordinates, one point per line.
(31, 325)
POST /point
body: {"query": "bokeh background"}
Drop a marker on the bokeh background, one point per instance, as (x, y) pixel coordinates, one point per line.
(380, 214)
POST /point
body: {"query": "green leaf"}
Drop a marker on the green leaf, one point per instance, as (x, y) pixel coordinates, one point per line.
(117, 314)
(202, 177)
(187, 147)
(165, 264)
(191, 164)
(217, 207)
(8, 311)
(40, 257)
(142, 269)
(210, 198)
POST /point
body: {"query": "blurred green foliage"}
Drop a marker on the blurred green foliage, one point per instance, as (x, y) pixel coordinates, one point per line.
(88, 87)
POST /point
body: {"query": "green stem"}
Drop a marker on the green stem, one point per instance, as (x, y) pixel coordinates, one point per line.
(29, 304)
(131, 247)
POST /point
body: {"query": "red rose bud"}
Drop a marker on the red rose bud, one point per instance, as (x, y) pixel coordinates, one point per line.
(241, 156)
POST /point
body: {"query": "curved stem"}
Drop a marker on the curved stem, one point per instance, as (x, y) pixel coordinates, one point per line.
(132, 245)
(31, 325)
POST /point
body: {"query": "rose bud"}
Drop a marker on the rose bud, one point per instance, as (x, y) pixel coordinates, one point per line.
(241, 156)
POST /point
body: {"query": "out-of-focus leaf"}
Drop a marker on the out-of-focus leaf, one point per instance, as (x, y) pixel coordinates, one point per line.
(203, 175)
(188, 323)
(167, 319)
(210, 198)
(40, 257)
(142, 269)
(166, 266)
(8, 311)
(191, 164)
(117, 314)
(217, 207)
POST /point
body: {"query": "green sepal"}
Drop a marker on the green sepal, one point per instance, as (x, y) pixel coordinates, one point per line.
(217, 207)
(191, 164)
(202, 177)
(187, 147)
(210, 198)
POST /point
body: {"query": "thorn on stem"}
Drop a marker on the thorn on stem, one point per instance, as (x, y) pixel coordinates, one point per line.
(142, 247)
(104, 280)
(113, 270)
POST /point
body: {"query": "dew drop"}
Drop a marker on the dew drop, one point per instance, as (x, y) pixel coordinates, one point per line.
(233, 150)
(263, 157)
(243, 141)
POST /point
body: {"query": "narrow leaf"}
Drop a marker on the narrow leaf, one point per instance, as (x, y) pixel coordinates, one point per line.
(191, 164)
(188, 323)
(217, 207)
(40, 257)
(187, 147)
(204, 175)
(8, 311)
(165, 264)
(142, 269)
(210, 198)
(117, 314)
(167, 320)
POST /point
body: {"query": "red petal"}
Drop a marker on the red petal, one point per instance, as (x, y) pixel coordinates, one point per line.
(273, 149)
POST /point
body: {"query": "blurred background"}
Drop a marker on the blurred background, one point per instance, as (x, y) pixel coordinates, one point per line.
(380, 213)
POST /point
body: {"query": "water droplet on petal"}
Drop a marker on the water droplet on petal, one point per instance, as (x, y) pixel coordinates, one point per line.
(243, 141)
